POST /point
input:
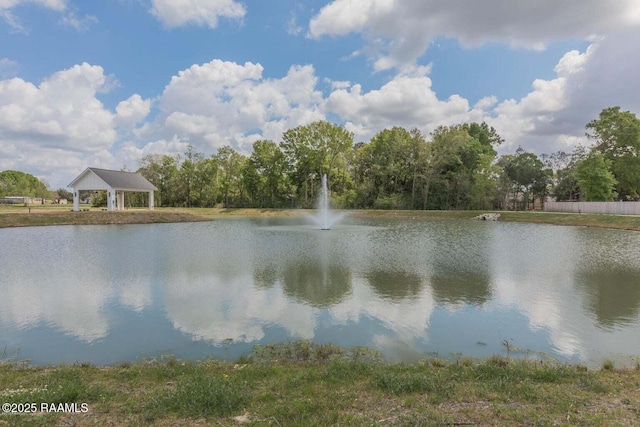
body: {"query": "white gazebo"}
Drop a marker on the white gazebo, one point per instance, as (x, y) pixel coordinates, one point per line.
(116, 183)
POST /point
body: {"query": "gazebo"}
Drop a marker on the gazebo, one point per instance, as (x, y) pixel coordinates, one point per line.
(116, 183)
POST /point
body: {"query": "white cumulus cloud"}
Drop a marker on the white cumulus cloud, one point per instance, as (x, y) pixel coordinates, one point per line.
(176, 13)
(55, 125)
(399, 32)
(551, 117)
(132, 111)
(62, 112)
(8, 68)
(554, 114)
(406, 100)
(223, 102)
(51, 4)
(13, 21)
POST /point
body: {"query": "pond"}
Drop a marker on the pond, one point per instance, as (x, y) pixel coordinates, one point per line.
(407, 288)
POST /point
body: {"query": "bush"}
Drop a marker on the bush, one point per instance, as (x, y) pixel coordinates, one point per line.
(395, 201)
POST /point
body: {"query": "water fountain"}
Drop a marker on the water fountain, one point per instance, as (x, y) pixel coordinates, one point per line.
(325, 218)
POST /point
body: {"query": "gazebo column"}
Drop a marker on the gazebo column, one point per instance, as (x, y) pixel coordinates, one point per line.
(111, 200)
(120, 200)
(76, 200)
(150, 200)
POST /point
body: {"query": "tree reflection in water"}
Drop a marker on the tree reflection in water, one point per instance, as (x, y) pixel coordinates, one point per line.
(613, 295)
(395, 285)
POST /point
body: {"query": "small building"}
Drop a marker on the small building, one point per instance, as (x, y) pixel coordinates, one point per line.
(115, 183)
(17, 200)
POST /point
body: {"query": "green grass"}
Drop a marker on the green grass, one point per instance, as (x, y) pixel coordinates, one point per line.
(307, 384)
(98, 217)
(624, 222)
(198, 396)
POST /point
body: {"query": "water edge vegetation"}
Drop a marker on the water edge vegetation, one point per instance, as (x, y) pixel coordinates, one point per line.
(301, 383)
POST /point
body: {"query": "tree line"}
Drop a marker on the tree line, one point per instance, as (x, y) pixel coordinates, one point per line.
(455, 167)
(17, 183)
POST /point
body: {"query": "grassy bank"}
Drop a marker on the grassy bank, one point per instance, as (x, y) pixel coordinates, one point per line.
(20, 216)
(569, 219)
(66, 217)
(304, 384)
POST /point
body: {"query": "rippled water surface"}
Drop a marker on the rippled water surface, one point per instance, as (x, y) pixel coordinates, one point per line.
(408, 288)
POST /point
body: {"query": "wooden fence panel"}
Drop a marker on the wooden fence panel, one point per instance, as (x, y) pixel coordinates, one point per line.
(616, 208)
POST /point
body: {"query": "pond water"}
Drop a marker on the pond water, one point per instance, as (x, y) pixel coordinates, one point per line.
(408, 288)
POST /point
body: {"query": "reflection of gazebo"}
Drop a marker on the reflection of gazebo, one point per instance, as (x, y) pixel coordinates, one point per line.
(114, 182)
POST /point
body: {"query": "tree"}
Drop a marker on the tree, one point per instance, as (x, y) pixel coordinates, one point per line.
(17, 183)
(313, 150)
(64, 194)
(459, 172)
(254, 185)
(162, 171)
(208, 170)
(99, 199)
(417, 163)
(332, 144)
(528, 175)
(449, 156)
(188, 176)
(484, 193)
(595, 178)
(391, 172)
(617, 136)
(615, 132)
(296, 146)
(230, 169)
(487, 136)
(565, 184)
(267, 172)
(362, 171)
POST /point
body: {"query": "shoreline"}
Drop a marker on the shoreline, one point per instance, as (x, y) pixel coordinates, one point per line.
(37, 216)
(94, 217)
(301, 383)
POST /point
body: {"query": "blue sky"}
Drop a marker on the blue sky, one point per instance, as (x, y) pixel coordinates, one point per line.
(103, 83)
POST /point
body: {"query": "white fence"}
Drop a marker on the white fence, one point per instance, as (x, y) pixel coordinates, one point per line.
(616, 208)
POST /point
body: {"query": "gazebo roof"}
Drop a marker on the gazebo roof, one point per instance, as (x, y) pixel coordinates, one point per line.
(118, 180)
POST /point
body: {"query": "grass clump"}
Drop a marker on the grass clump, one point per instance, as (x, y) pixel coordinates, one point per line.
(299, 351)
(409, 381)
(201, 396)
